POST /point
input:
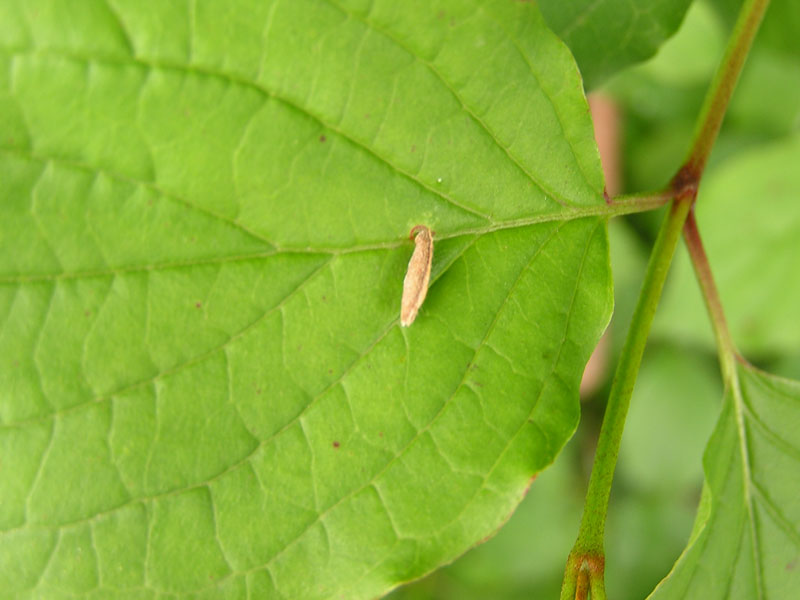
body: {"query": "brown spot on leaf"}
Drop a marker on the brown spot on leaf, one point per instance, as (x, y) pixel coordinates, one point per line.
(322, 139)
(335, 444)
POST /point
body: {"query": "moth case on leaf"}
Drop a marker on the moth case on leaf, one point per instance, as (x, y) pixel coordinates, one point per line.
(415, 284)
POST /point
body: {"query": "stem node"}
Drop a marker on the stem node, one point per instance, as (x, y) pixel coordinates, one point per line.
(685, 182)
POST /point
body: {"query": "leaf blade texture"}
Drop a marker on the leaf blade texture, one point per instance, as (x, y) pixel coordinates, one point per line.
(204, 237)
(745, 542)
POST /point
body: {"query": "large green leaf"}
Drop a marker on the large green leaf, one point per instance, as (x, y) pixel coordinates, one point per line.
(749, 214)
(746, 542)
(606, 35)
(205, 210)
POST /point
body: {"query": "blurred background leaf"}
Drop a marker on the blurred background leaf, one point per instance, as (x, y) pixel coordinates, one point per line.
(779, 29)
(606, 36)
(749, 213)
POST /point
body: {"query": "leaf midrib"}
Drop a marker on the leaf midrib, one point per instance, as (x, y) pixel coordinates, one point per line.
(744, 451)
(601, 210)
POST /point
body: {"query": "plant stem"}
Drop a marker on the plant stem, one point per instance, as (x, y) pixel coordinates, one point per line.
(587, 559)
(630, 203)
(590, 539)
(702, 269)
(719, 94)
(588, 551)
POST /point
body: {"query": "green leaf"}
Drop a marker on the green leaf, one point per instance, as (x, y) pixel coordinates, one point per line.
(606, 36)
(747, 535)
(749, 215)
(526, 558)
(205, 211)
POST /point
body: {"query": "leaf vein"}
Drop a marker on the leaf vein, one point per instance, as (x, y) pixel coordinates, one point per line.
(480, 122)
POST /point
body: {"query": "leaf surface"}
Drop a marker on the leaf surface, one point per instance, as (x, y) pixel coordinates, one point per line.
(205, 211)
(606, 36)
(746, 541)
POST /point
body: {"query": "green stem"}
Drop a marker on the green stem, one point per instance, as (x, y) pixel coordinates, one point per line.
(587, 553)
(587, 559)
(590, 539)
(719, 94)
